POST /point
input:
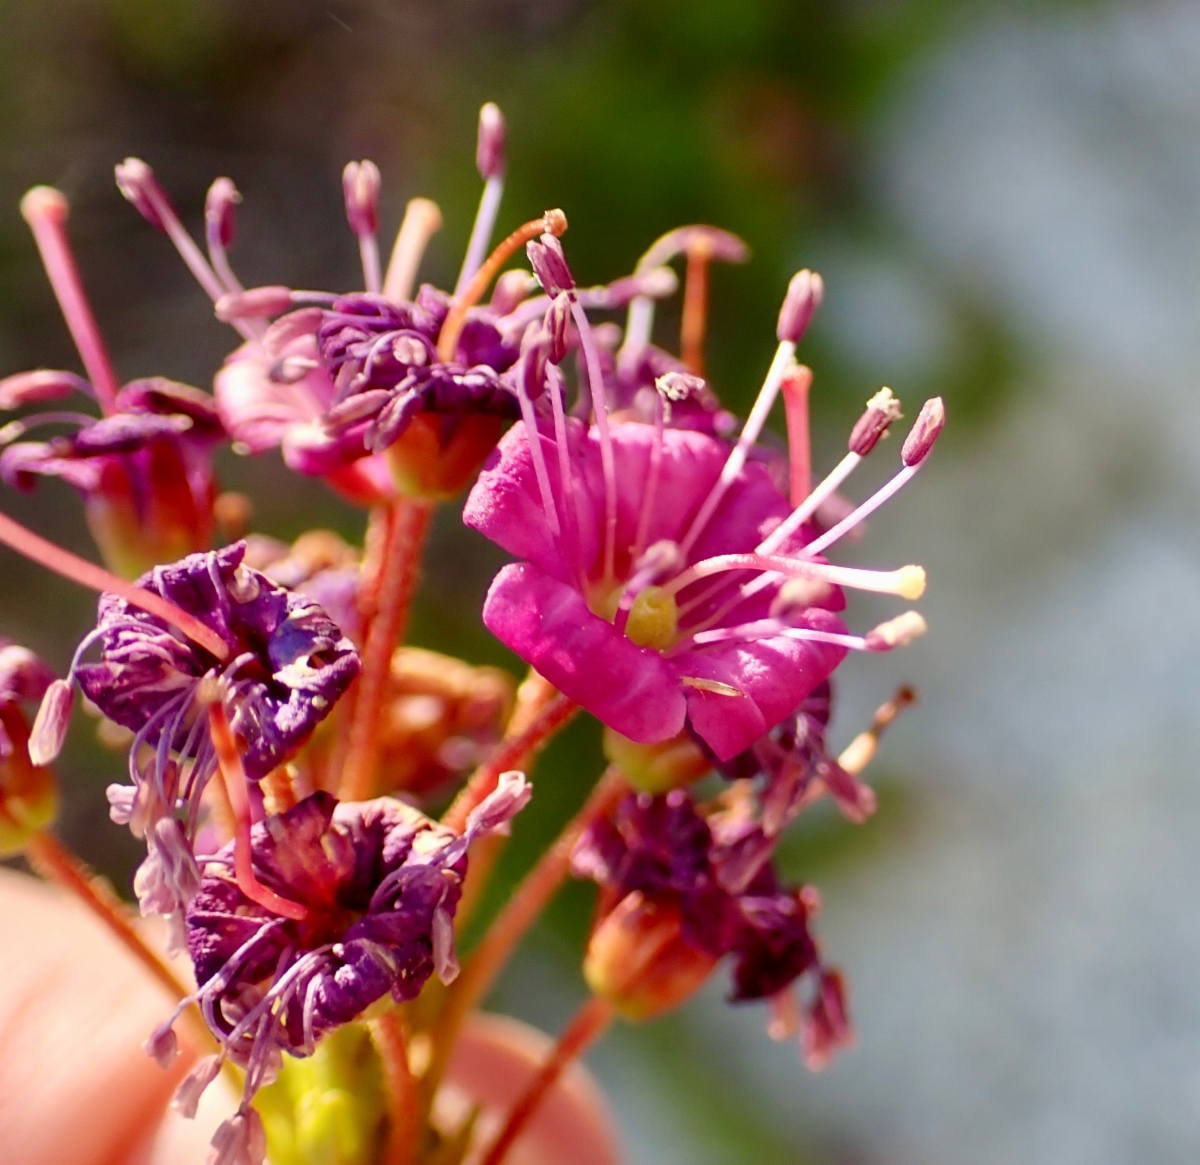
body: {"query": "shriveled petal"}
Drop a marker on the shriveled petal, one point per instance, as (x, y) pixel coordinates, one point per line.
(548, 625)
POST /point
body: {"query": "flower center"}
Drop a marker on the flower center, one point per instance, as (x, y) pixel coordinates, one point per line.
(653, 618)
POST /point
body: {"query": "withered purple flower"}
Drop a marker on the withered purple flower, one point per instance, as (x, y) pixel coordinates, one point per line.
(681, 891)
(381, 883)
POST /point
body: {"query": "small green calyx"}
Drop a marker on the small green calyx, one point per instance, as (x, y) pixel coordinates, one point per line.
(327, 1109)
(656, 768)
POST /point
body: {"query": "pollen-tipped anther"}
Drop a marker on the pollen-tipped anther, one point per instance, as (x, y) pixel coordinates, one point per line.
(910, 582)
(489, 152)
(897, 632)
(550, 264)
(882, 410)
(801, 302)
(925, 431)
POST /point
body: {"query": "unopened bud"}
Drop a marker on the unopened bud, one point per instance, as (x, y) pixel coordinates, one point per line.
(43, 384)
(882, 409)
(656, 768)
(489, 151)
(219, 217)
(550, 264)
(640, 962)
(897, 632)
(512, 288)
(256, 303)
(50, 726)
(361, 183)
(925, 431)
(136, 181)
(801, 302)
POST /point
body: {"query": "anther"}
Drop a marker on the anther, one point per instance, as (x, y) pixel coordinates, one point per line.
(897, 632)
(882, 410)
(804, 295)
(360, 185)
(925, 431)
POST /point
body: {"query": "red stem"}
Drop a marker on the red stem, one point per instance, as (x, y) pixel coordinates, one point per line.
(588, 1024)
(234, 776)
(44, 552)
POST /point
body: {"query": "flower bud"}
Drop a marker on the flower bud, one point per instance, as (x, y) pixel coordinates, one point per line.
(136, 181)
(656, 768)
(925, 431)
(50, 726)
(360, 184)
(256, 303)
(803, 297)
(550, 264)
(489, 152)
(43, 384)
(638, 959)
(219, 218)
(28, 794)
(882, 409)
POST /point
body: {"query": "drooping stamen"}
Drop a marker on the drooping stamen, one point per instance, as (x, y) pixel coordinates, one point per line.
(360, 185)
(639, 323)
(908, 581)
(45, 210)
(489, 158)
(422, 220)
(750, 432)
(695, 305)
(45, 553)
(795, 388)
(897, 632)
(861, 750)
(553, 222)
(233, 775)
(42, 384)
(15, 430)
(219, 220)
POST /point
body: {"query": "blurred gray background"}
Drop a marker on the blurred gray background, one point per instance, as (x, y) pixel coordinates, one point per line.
(1004, 199)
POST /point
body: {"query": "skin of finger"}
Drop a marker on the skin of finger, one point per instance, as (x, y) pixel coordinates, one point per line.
(493, 1062)
(75, 1085)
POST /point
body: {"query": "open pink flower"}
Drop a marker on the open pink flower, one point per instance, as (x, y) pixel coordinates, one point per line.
(619, 527)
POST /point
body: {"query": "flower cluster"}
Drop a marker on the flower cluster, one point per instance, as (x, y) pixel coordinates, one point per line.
(286, 749)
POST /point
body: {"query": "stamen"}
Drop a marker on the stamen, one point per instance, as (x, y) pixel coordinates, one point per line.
(360, 185)
(45, 210)
(600, 408)
(553, 222)
(780, 367)
(795, 402)
(639, 323)
(908, 581)
(43, 384)
(566, 475)
(651, 492)
(489, 157)
(15, 430)
(422, 220)
(528, 356)
(63, 562)
(695, 305)
(861, 750)
(234, 777)
(219, 220)
(137, 183)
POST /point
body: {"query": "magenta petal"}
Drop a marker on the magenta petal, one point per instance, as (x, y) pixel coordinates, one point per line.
(774, 676)
(547, 623)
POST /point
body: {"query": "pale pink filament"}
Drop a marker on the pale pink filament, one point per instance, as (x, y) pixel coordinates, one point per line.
(882, 582)
(648, 498)
(481, 232)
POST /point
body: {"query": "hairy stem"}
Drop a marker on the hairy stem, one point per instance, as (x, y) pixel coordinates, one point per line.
(587, 1025)
(403, 1101)
(409, 525)
(512, 923)
(556, 713)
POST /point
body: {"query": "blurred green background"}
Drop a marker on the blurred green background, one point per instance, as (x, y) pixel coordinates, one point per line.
(1004, 200)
